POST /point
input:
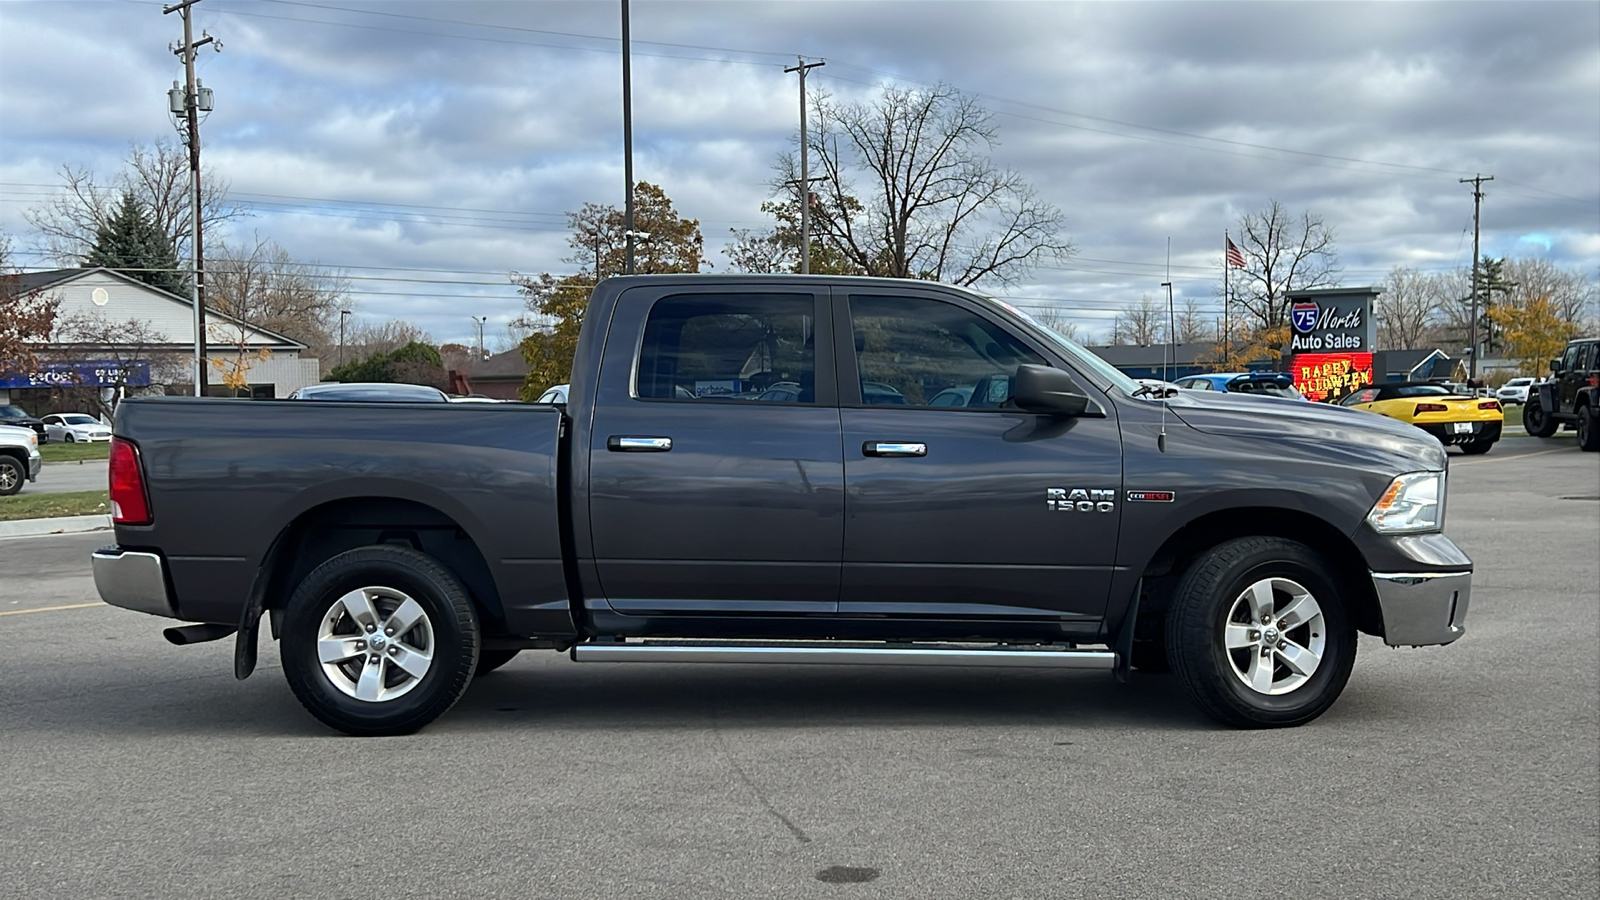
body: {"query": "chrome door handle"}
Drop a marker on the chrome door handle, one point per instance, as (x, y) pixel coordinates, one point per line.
(894, 448)
(631, 443)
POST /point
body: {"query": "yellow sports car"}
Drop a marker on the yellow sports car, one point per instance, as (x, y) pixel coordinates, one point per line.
(1472, 422)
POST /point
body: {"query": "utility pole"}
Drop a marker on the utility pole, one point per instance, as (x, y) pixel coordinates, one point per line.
(480, 320)
(802, 67)
(627, 137)
(1472, 324)
(343, 313)
(191, 112)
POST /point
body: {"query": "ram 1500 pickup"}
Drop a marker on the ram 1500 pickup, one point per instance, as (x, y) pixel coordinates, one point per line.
(791, 469)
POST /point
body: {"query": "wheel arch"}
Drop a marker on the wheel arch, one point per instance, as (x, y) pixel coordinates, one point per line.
(1183, 546)
(330, 528)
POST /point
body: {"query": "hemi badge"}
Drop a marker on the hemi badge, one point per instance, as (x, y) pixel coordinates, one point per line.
(1151, 496)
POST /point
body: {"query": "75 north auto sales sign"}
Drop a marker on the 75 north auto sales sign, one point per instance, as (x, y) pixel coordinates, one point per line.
(1331, 320)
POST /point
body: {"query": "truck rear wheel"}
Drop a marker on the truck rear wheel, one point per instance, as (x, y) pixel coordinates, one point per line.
(1536, 419)
(1259, 635)
(1589, 428)
(379, 640)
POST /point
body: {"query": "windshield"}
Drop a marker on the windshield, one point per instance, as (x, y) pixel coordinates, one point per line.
(1073, 349)
(12, 412)
(79, 420)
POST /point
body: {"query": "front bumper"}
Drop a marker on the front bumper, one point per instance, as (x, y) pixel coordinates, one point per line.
(133, 580)
(1422, 608)
(34, 466)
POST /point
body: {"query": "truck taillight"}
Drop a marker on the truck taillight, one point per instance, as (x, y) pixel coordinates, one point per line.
(129, 504)
(1430, 407)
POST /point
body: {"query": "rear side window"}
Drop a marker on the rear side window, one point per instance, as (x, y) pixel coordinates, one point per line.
(729, 347)
(913, 351)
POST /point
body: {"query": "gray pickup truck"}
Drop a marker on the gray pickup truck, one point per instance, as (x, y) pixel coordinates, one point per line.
(788, 469)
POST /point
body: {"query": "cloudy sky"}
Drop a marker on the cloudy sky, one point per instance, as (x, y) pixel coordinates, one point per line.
(425, 149)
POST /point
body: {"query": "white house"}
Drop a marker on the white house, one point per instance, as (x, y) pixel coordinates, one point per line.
(121, 335)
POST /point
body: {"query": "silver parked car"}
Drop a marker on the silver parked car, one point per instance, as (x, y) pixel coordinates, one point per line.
(75, 428)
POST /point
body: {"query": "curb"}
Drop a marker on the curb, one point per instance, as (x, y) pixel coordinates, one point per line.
(54, 525)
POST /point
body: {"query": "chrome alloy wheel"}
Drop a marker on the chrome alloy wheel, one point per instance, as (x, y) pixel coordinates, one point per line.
(1275, 636)
(375, 644)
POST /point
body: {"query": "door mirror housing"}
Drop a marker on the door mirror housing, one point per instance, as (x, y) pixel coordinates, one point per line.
(1555, 365)
(1041, 389)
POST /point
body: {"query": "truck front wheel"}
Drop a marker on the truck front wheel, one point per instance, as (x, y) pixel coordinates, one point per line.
(379, 640)
(1536, 419)
(1259, 635)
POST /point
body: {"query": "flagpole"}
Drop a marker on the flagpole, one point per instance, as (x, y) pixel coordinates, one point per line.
(1227, 334)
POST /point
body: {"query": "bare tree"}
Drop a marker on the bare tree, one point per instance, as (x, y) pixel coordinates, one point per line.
(1189, 325)
(127, 345)
(27, 317)
(154, 174)
(1571, 296)
(1140, 324)
(384, 337)
(938, 207)
(1282, 253)
(1408, 309)
(262, 285)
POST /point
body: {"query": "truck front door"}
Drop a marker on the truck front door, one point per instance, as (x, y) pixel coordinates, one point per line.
(715, 479)
(958, 505)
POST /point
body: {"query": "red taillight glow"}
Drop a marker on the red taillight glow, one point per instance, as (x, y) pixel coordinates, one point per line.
(128, 503)
(1431, 407)
(1489, 404)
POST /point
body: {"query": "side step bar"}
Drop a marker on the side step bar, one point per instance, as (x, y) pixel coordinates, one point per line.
(819, 653)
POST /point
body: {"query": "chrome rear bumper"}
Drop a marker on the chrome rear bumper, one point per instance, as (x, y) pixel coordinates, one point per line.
(132, 580)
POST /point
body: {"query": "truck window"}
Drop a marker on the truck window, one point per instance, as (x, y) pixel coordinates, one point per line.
(913, 351)
(729, 347)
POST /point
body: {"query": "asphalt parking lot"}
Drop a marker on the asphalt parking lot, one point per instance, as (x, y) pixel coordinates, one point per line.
(135, 768)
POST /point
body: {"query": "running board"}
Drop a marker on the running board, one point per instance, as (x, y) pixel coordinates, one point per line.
(818, 653)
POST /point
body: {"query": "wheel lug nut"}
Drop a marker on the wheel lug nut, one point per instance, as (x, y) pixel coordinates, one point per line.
(361, 645)
(1266, 620)
(394, 651)
(389, 632)
(1255, 635)
(371, 628)
(374, 659)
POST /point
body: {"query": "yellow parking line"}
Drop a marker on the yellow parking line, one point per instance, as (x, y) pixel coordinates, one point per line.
(18, 612)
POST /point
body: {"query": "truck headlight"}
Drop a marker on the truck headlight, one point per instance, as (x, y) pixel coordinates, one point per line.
(1414, 502)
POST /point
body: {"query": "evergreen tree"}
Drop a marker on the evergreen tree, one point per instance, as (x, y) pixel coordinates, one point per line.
(130, 243)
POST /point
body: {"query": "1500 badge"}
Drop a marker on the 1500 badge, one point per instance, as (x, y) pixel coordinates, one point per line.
(1080, 500)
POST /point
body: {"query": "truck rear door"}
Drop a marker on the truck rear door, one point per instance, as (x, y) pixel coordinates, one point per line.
(956, 506)
(716, 479)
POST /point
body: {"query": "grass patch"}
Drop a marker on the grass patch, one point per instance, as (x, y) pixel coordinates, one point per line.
(44, 506)
(59, 451)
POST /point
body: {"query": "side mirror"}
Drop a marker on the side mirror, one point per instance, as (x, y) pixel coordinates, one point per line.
(1555, 366)
(1041, 389)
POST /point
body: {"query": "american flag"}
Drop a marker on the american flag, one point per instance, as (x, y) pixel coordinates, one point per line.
(1235, 258)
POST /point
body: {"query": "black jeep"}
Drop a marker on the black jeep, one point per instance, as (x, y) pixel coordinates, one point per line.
(1571, 397)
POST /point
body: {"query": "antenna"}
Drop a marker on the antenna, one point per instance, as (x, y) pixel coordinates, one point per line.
(1166, 353)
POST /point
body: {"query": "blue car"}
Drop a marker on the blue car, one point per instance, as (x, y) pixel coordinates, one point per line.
(1264, 384)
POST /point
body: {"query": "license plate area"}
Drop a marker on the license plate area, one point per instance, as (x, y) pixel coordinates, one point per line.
(1461, 427)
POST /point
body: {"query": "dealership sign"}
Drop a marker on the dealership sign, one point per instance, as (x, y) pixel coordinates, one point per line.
(1331, 320)
(86, 373)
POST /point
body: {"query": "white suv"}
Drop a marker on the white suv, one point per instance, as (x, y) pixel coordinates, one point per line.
(1515, 390)
(19, 458)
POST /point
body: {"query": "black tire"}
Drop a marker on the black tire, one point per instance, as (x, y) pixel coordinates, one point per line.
(442, 642)
(13, 475)
(1477, 448)
(1536, 419)
(489, 660)
(1589, 428)
(1205, 613)
(70, 439)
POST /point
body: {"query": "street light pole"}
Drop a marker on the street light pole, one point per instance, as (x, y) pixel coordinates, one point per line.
(480, 320)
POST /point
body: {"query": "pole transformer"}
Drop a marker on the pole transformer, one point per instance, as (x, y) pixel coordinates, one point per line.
(802, 67)
(1472, 322)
